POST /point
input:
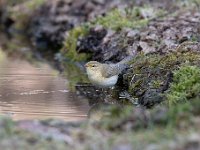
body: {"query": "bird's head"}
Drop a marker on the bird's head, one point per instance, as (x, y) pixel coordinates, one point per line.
(93, 67)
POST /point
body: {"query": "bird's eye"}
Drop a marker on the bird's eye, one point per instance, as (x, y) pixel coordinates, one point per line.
(93, 65)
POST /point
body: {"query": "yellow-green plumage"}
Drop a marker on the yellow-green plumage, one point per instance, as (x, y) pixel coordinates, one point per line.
(105, 75)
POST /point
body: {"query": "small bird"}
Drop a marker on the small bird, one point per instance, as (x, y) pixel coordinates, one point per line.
(105, 75)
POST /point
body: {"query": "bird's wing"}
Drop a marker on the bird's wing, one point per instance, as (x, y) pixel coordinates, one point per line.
(112, 70)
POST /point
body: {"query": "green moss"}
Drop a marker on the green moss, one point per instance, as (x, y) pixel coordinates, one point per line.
(70, 45)
(156, 83)
(118, 19)
(6, 125)
(183, 95)
(32, 5)
(185, 85)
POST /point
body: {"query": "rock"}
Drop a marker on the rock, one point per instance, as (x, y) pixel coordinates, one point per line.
(161, 35)
(91, 42)
(150, 98)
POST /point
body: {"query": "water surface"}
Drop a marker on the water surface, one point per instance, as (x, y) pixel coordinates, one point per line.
(30, 91)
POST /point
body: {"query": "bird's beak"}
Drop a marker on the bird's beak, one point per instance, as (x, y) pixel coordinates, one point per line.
(86, 65)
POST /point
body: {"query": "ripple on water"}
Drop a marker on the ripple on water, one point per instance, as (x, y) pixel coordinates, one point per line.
(37, 92)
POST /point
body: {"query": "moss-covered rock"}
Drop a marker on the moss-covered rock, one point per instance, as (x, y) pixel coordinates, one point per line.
(151, 74)
(185, 85)
(70, 45)
(183, 95)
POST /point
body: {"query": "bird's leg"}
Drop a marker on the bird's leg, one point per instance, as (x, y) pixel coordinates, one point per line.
(126, 95)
